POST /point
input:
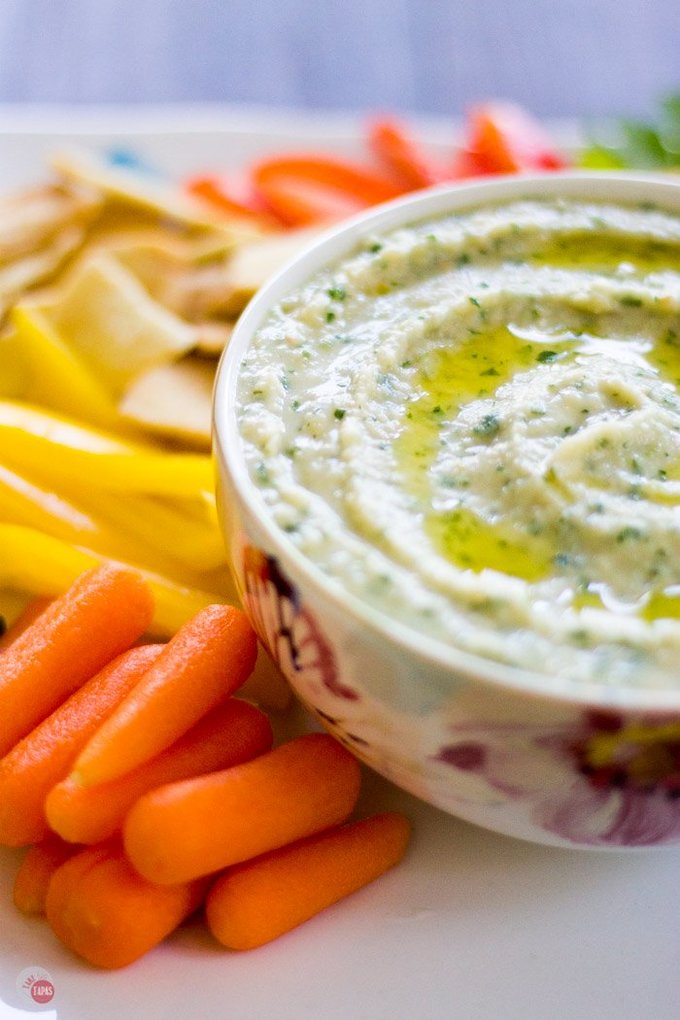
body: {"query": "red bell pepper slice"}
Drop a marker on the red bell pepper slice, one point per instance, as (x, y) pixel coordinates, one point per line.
(504, 138)
(234, 198)
(307, 189)
(401, 155)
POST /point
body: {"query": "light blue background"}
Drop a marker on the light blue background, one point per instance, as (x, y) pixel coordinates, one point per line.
(560, 58)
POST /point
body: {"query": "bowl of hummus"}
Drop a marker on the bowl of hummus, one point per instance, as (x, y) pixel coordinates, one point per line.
(448, 449)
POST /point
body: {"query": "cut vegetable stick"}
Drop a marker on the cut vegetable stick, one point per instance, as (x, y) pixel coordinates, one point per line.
(67, 451)
(258, 900)
(232, 733)
(100, 908)
(36, 870)
(23, 621)
(298, 789)
(206, 661)
(236, 198)
(44, 757)
(504, 138)
(34, 562)
(99, 616)
(146, 532)
(403, 156)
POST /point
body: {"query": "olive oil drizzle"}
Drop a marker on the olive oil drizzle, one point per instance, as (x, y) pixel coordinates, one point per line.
(475, 369)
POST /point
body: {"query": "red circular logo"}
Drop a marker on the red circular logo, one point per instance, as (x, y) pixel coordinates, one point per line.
(42, 991)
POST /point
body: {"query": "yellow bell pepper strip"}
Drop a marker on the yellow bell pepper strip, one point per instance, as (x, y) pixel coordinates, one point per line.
(13, 371)
(54, 376)
(40, 564)
(23, 502)
(188, 538)
(12, 605)
(35, 439)
(141, 535)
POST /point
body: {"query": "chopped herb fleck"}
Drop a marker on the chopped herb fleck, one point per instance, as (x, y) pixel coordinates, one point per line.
(546, 356)
(339, 413)
(628, 534)
(337, 293)
(631, 301)
(490, 371)
(330, 316)
(490, 425)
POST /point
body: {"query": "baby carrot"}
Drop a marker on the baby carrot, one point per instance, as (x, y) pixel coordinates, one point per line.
(258, 900)
(299, 788)
(232, 733)
(36, 870)
(45, 756)
(99, 616)
(206, 661)
(23, 621)
(101, 909)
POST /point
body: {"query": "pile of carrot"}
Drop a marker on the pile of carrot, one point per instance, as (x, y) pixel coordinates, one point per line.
(145, 789)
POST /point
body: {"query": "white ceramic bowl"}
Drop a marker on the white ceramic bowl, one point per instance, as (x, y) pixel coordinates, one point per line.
(489, 743)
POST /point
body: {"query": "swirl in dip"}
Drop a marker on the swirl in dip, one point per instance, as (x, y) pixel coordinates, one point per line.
(473, 424)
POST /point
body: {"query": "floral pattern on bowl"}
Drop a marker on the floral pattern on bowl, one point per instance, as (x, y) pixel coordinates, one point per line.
(287, 630)
(604, 780)
(559, 773)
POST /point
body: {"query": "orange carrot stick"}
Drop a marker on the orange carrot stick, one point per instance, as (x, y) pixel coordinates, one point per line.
(99, 616)
(205, 662)
(23, 621)
(232, 733)
(45, 756)
(258, 900)
(36, 870)
(297, 789)
(100, 908)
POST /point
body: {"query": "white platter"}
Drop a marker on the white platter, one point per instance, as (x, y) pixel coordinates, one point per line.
(472, 926)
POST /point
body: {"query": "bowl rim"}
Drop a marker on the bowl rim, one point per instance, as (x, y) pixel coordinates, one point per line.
(331, 245)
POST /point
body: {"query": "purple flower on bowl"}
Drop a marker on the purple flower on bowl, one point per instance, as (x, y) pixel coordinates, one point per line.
(604, 781)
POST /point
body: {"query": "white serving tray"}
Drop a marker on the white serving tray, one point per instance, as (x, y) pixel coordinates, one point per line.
(472, 926)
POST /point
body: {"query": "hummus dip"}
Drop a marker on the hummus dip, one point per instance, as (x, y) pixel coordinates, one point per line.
(473, 424)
